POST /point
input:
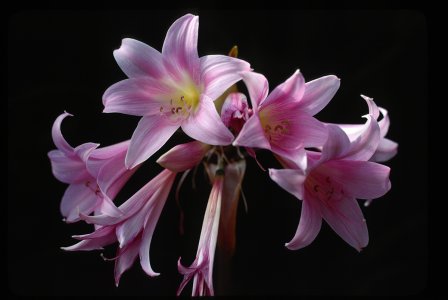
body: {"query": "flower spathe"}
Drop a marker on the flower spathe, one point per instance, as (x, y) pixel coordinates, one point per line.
(172, 89)
(326, 166)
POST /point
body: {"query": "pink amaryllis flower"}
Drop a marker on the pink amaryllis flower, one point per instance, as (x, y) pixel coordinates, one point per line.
(95, 175)
(282, 121)
(201, 270)
(387, 148)
(133, 229)
(331, 183)
(172, 89)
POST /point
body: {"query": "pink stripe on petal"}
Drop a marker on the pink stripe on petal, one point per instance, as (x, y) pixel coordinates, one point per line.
(126, 257)
(58, 138)
(183, 157)
(151, 134)
(337, 143)
(205, 125)
(309, 226)
(361, 179)
(346, 219)
(180, 44)
(291, 90)
(291, 180)
(219, 72)
(365, 145)
(258, 87)
(318, 94)
(68, 169)
(136, 96)
(137, 59)
(78, 198)
(252, 135)
(386, 150)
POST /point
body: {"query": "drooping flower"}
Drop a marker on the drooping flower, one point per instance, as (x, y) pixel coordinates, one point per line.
(95, 175)
(331, 183)
(133, 229)
(172, 89)
(201, 270)
(235, 112)
(184, 156)
(387, 148)
(282, 121)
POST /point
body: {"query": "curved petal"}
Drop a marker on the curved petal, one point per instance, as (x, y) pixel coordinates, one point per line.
(337, 143)
(109, 151)
(318, 93)
(290, 91)
(68, 169)
(257, 86)
(137, 59)
(58, 139)
(386, 150)
(151, 134)
(365, 145)
(78, 198)
(360, 179)
(136, 96)
(131, 227)
(309, 226)
(293, 158)
(92, 244)
(205, 125)
(84, 151)
(125, 258)
(252, 135)
(219, 72)
(181, 42)
(346, 219)
(373, 109)
(291, 180)
(183, 157)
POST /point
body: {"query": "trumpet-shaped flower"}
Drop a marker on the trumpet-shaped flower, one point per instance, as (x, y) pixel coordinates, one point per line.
(172, 89)
(282, 121)
(332, 182)
(95, 175)
(201, 270)
(133, 229)
(387, 148)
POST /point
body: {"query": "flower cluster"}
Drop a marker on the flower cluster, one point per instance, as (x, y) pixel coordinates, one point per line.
(326, 166)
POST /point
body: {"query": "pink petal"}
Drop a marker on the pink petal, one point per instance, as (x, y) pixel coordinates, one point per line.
(337, 143)
(293, 158)
(107, 152)
(257, 86)
(309, 226)
(68, 169)
(219, 72)
(365, 145)
(78, 198)
(137, 59)
(360, 179)
(131, 227)
(151, 222)
(252, 135)
(318, 93)
(183, 157)
(384, 123)
(290, 91)
(126, 257)
(205, 125)
(291, 180)
(346, 219)
(235, 108)
(58, 138)
(373, 108)
(99, 233)
(181, 42)
(91, 244)
(151, 134)
(136, 96)
(385, 151)
(84, 151)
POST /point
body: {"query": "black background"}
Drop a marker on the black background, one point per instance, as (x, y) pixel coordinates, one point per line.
(62, 60)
